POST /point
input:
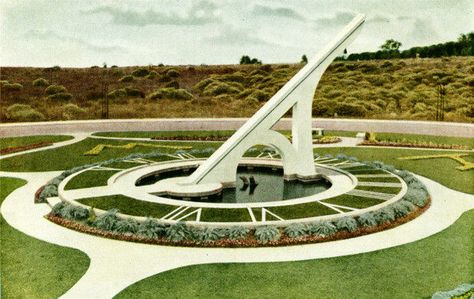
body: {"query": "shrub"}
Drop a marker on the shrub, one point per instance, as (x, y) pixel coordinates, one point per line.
(57, 208)
(367, 220)
(237, 232)
(152, 75)
(345, 109)
(54, 89)
(346, 223)
(132, 92)
(384, 215)
(208, 234)
(172, 73)
(295, 230)
(218, 88)
(73, 212)
(117, 93)
(417, 197)
(172, 84)
(260, 95)
(62, 96)
(40, 82)
(151, 228)
(165, 78)
(178, 232)
(322, 228)
(128, 225)
(49, 191)
(141, 72)
(108, 220)
(20, 112)
(171, 93)
(127, 78)
(400, 209)
(201, 85)
(265, 234)
(72, 111)
(12, 87)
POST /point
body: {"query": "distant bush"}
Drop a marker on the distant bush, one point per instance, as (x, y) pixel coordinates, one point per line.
(171, 93)
(141, 72)
(345, 109)
(127, 78)
(172, 73)
(201, 85)
(40, 82)
(12, 86)
(218, 88)
(165, 78)
(172, 84)
(260, 95)
(20, 112)
(132, 92)
(55, 89)
(152, 75)
(72, 111)
(62, 96)
(265, 234)
(117, 93)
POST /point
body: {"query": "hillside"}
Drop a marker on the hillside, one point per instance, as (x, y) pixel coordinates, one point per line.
(382, 89)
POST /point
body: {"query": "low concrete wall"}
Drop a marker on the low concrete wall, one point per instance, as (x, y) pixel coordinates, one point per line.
(362, 125)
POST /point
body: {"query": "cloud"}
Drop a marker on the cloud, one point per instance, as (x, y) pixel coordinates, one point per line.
(200, 13)
(51, 35)
(378, 19)
(341, 18)
(423, 31)
(285, 12)
(229, 35)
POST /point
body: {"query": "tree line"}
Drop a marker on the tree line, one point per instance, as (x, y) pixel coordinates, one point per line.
(464, 46)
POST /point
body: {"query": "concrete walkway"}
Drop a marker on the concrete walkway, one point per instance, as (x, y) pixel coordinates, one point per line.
(77, 137)
(117, 264)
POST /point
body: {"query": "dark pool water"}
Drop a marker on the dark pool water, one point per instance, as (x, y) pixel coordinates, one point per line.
(269, 186)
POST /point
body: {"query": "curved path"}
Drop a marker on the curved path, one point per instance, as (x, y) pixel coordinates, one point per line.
(132, 262)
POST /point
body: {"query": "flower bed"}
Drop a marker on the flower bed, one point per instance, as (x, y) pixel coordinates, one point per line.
(327, 140)
(110, 224)
(192, 138)
(413, 144)
(15, 149)
(250, 239)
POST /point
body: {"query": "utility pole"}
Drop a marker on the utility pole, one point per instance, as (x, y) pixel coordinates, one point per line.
(105, 91)
(440, 105)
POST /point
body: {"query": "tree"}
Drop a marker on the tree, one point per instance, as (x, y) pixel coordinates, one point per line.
(247, 60)
(304, 59)
(391, 45)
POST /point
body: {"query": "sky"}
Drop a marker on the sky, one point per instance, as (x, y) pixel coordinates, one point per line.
(180, 32)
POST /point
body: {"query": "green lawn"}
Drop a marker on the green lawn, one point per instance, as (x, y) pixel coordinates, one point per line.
(26, 140)
(391, 190)
(415, 270)
(73, 155)
(425, 138)
(90, 178)
(379, 180)
(353, 201)
(441, 170)
(31, 268)
(129, 206)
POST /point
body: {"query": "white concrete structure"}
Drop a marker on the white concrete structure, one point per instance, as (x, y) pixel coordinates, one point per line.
(297, 95)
